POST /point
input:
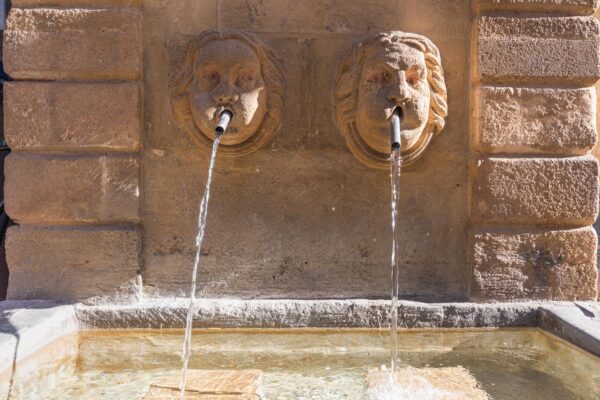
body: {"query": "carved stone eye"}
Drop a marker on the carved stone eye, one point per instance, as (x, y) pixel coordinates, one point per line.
(415, 75)
(208, 80)
(379, 77)
(245, 80)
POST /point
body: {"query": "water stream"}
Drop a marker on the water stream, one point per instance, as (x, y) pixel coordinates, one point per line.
(395, 165)
(187, 341)
(396, 162)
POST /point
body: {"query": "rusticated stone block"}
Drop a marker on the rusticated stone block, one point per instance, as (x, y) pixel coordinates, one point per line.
(564, 6)
(550, 191)
(72, 263)
(551, 265)
(535, 120)
(538, 49)
(72, 116)
(72, 189)
(89, 44)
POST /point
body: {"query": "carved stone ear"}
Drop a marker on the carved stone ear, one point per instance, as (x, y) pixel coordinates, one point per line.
(273, 80)
(346, 98)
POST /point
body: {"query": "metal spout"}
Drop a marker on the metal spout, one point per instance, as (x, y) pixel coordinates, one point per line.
(224, 120)
(395, 134)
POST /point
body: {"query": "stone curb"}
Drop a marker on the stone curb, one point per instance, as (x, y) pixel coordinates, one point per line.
(578, 325)
(28, 326)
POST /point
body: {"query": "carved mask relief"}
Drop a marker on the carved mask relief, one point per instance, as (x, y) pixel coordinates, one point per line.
(393, 69)
(232, 71)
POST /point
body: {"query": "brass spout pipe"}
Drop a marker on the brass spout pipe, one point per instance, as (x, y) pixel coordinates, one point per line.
(224, 120)
(395, 134)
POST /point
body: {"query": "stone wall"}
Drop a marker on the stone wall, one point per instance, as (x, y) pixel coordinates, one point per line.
(302, 217)
(501, 213)
(74, 123)
(534, 190)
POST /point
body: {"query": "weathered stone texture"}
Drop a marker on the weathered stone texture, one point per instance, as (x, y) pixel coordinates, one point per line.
(72, 189)
(89, 44)
(555, 191)
(311, 16)
(72, 116)
(553, 265)
(567, 6)
(540, 49)
(535, 120)
(72, 263)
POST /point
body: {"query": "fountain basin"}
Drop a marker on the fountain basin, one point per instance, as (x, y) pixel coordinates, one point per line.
(116, 351)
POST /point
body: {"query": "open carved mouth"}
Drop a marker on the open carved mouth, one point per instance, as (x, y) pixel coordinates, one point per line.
(225, 118)
(221, 109)
(399, 110)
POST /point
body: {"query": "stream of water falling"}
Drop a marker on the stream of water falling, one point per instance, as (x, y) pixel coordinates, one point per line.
(187, 341)
(395, 164)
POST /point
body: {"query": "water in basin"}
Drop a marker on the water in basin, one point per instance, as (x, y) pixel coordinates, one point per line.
(312, 364)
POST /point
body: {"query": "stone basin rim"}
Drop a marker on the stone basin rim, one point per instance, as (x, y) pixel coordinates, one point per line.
(28, 326)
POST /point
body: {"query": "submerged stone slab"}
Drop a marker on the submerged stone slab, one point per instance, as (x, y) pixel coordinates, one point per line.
(76, 43)
(72, 263)
(57, 189)
(72, 116)
(210, 385)
(451, 383)
(538, 50)
(548, 191)
(535, 120)
(563, 6)
(551, 265)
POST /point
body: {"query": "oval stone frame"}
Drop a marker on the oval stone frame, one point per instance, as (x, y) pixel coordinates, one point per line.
(272, 75)
(346, 97)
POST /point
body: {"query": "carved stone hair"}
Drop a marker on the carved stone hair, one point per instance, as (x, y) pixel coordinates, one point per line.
(271, 74)
(346, 96)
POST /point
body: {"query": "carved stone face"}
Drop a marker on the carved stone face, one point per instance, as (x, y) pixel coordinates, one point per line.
(227, 75)
(394, 75)
(387, 71)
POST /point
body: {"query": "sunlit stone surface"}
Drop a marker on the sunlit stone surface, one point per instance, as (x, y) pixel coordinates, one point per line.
(210, 385)
(455, 383)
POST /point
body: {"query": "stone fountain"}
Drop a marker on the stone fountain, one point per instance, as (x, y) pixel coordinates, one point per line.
(111, 115)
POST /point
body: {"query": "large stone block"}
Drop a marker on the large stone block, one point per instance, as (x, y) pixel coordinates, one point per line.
(72, 263)
(563, 6)
(538, 50)
(535, 120)
(72, 116)
(552, 265)
(88, 44)
(549, 191)
(72, 189)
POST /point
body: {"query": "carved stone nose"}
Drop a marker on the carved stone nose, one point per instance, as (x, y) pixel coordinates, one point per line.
(226, 98)
(399, 93)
